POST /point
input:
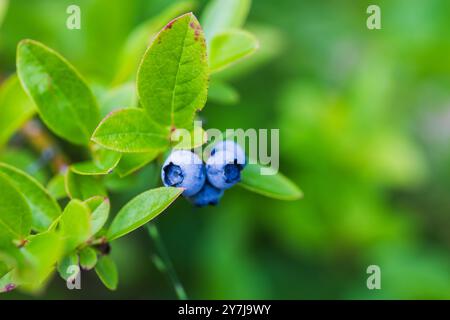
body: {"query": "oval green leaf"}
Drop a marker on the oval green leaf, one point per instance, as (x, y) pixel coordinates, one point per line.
(82, 186)
(41, 253)
(44, 208)
(75, 224)
(220, 15)
(15, 108)
(134, 161)
(67, 265)
(65, 103)
(230, 47)
(141, 210)
(130, 130)
(107, 272)
(15, 214)
(272, 184)
(56, 187)
(172, 80)
(100, 207)
(88, 258)
(8, 282)
(104, 161)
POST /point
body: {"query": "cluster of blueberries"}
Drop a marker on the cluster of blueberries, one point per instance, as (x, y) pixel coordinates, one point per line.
(204, 184)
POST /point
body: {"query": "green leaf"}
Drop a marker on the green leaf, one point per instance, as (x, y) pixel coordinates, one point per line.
(15, 108)
(130, 130)
(221, 15)
(56, 187)
(75, 224)
(272, 44)
(65, 103)
(4, 268)
(103, 163)
(66, 266)
(274, 185)
(140, 37)
(3, 10)
(15, 214)
(141, 210)
(135, 161)
(229, 47)
(44, 208)
(187, 140)
(88, 258)
(8, 282)
(107, 272)
(100, 207)
(222, 93)
(172, 80)
(83, 187)
(41, 253)
(25, 160)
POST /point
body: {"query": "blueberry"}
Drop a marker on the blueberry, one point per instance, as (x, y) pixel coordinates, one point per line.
(224, 166)
(209, 195)
(231, 146)
(184, 169)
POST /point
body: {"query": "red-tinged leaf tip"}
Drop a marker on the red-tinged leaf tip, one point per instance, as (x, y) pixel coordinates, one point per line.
(9, 287)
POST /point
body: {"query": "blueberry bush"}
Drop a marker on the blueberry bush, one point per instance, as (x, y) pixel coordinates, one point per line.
(65, 226)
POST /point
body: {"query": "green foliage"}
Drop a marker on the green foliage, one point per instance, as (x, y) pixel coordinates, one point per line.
(172, 95)
(99, 207)
(103, 162)
(134, 161)
(8, 281)
(88, 258)
(56, 187)
(64, 101)
(140, 37)
(44, 208)
(75, 224)
(130, 130)
(15, 214)
(188, 140)
(64, 266)
(83, 186)
(107, 272)
(229, 47)
(223, 15)
(222, 93)
(15, 108)
(119, 154)
(270, 184)
(141, 210)
(41, 254)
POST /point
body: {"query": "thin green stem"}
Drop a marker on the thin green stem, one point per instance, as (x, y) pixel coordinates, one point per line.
(163, 262)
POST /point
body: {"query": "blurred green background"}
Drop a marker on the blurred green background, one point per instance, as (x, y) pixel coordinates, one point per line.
(364, 119)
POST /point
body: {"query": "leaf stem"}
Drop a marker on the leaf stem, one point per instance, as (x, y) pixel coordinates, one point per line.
(163, 262)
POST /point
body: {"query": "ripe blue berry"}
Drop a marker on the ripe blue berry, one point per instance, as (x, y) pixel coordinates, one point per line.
(184, 169)
(209, 195)
(231, 146)
(224, 166)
